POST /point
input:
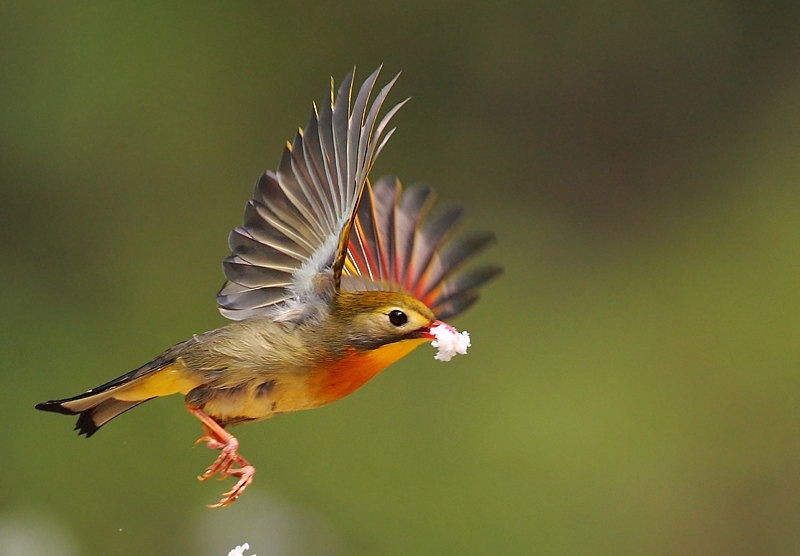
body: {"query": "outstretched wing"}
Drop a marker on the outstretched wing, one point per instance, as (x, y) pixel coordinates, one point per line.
(398, 242)
(298, 222)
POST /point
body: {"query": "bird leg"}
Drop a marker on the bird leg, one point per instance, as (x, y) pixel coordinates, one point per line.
(217, 438)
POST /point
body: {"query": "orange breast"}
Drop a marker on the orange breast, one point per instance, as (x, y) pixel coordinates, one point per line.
(338, 379)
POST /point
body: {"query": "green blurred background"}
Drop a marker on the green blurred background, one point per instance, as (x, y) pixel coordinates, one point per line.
(633, 383)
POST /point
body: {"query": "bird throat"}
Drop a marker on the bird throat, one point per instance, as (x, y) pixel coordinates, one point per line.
(340, 378)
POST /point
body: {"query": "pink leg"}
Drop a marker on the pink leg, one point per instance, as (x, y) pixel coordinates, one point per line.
(217, 438)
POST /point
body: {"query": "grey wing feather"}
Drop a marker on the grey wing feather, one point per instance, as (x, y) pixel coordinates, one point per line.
(399, 243)
(298, 222)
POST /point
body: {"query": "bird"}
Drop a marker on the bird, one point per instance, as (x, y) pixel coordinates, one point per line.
(331, 278)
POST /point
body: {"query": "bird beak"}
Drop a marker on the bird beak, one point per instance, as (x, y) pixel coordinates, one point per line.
(426, 332)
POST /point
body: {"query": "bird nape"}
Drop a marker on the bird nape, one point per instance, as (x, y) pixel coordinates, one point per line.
(331, 278)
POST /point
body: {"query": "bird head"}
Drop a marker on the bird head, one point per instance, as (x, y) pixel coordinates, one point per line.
(372, 319)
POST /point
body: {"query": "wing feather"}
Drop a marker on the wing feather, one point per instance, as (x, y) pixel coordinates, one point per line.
(400, 243)
(368, 251)
(386, 195)
(267, 228)
(298, 222)
(412, 209)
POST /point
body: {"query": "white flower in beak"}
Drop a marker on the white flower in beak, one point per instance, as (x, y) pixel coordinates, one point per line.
(449, 341)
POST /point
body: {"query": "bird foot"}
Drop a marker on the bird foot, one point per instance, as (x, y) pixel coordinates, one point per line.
(217, 438)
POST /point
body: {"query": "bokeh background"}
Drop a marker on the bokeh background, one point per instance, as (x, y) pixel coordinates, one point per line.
(634, 381)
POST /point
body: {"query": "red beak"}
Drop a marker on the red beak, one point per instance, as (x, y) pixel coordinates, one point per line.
(426, 332)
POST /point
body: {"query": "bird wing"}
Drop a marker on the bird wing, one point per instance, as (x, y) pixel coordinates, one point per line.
(298, 222)
(400, 242)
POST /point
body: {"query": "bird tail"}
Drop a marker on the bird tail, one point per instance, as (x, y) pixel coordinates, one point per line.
(96, 407)
(94, 416)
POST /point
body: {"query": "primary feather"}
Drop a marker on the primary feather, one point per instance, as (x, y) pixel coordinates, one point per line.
(298, 222)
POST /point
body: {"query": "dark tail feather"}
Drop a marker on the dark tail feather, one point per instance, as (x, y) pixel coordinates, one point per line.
(90, 420)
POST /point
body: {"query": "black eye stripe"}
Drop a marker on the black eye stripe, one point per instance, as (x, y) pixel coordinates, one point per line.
(397, 317)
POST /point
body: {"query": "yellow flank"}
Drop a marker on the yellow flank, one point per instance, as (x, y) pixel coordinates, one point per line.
(168, 381)
(325, 384)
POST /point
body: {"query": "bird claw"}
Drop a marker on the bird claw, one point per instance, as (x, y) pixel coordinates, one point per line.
(221, 465)
(245, 474)
(211, 443)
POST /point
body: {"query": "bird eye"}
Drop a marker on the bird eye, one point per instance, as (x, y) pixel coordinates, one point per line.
(398, 317)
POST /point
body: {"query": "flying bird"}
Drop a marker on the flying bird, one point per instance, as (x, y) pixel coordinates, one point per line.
(331, 278)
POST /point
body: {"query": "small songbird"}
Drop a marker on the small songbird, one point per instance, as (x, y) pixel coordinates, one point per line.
(330, 280)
